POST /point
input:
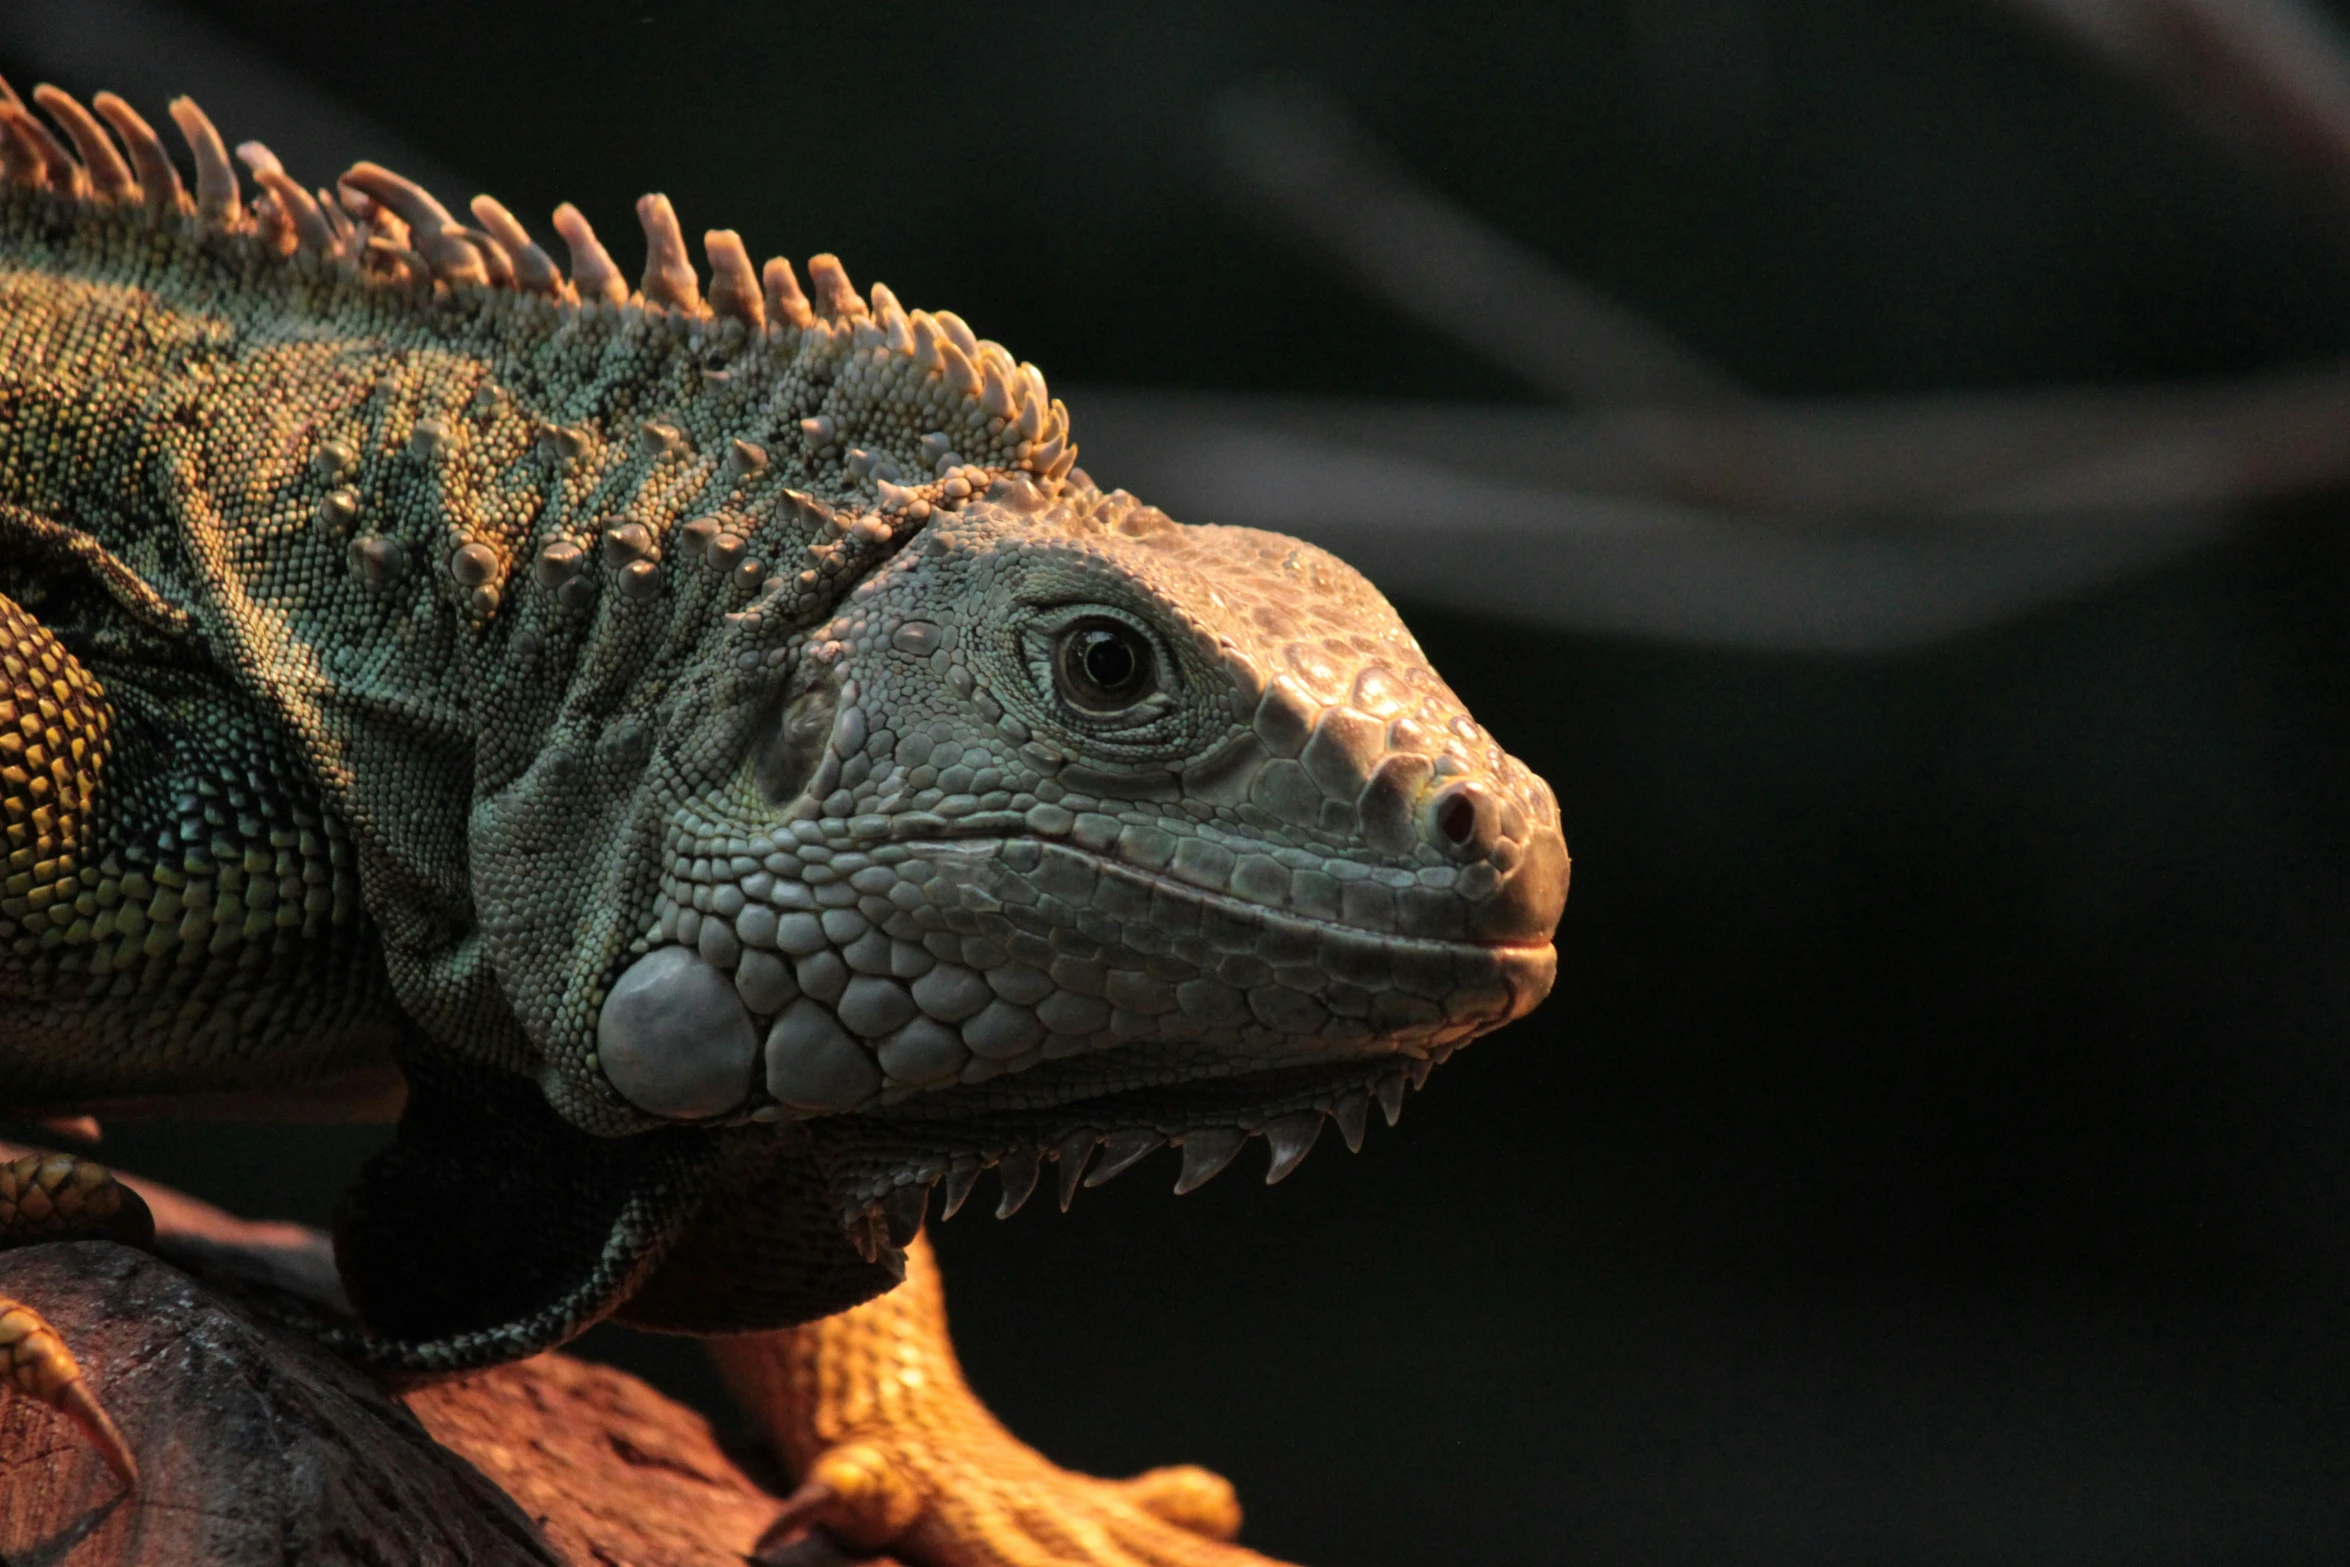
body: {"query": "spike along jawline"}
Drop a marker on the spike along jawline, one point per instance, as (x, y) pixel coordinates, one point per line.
(1207, 1153)
(970, 411)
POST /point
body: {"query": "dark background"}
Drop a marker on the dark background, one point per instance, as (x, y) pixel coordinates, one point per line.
(1934, 1151)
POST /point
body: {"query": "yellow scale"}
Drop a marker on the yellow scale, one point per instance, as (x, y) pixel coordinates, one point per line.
(53, 726)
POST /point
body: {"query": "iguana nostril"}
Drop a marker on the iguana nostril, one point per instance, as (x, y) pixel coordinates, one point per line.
(1455, 816)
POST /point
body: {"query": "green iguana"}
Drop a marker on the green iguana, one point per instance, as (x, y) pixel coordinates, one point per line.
(721, 751)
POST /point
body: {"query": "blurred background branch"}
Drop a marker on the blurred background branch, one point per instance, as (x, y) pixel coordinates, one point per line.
(1677, 505)
(2272, 77)
(1320, 175)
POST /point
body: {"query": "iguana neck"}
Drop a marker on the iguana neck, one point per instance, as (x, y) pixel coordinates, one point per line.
(424, 533)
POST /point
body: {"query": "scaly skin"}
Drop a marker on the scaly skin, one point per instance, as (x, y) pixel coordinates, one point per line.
(725, 753)
(898, 1455)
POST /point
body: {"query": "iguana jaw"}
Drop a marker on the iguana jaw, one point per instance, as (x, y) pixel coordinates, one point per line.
(885, 1170)
(1205, 1094)
(1207, 1098)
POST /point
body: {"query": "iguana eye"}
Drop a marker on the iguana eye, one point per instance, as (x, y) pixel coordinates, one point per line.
(1104, 666)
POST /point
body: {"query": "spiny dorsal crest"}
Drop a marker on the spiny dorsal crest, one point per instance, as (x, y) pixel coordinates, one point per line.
(975, 407)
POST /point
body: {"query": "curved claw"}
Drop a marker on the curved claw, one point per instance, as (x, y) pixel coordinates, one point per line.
(35, 1362)
(859, 1492)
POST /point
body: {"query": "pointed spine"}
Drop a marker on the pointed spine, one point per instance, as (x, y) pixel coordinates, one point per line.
(785, 302)
(110, 178)
(218, 204)
(592, 271)
(734, 287)
(534, 269)
(669, 272)
(159, 179)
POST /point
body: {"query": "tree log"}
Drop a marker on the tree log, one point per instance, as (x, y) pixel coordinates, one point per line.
(256, 1446)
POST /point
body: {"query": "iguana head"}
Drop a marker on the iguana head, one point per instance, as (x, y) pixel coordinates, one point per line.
(1071, 825)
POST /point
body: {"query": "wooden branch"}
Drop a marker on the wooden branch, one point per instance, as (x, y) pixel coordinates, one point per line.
(257, 1447)
(253, 1447)
(606, 1468)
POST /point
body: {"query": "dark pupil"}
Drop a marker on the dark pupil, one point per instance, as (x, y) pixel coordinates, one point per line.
(1104, 667)
(1107, 660)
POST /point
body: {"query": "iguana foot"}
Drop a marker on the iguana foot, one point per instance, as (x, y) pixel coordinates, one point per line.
(895, 1455)
(929, 1508)
(56, 1197)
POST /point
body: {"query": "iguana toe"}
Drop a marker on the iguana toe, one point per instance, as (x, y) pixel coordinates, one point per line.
(35, 1362)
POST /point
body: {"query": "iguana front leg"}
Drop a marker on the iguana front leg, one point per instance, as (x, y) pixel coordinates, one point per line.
(895, 1454)
(58, 1197)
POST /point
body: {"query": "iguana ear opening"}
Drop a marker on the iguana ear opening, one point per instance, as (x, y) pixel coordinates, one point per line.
(793, 744)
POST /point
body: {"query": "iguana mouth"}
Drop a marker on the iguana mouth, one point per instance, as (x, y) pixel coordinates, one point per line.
(1519, 912)
(1432, 976)
(884, 1166)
